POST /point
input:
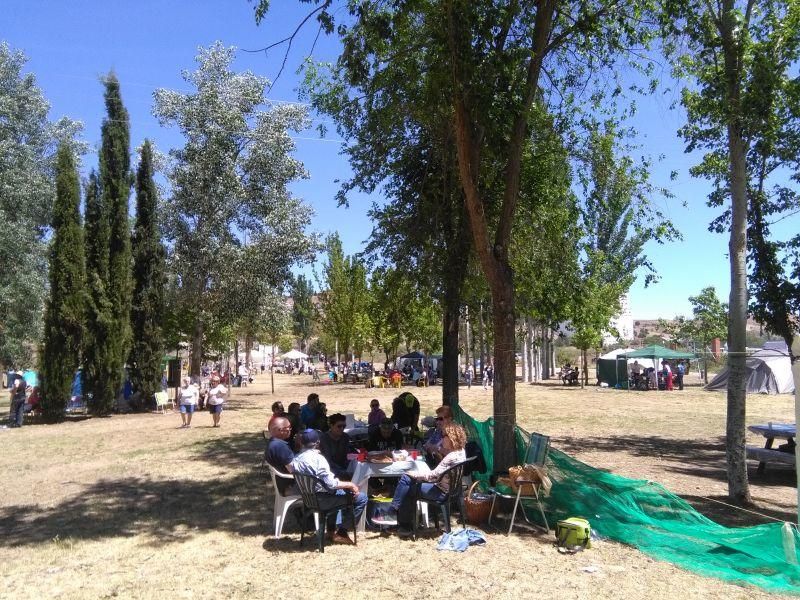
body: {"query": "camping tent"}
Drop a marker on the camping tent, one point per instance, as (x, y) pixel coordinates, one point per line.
(769, 371)
(613, 367)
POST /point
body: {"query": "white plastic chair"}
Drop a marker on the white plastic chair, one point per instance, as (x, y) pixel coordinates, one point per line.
(282, 503)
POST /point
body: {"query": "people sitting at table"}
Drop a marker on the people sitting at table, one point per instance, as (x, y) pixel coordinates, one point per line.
(309, 411)
(311, 462)
(385, 437)
(279, 453)
(376, 415)
(335, 445)
(405, 411)
(277, 411)
(433, 445)
(402, 509)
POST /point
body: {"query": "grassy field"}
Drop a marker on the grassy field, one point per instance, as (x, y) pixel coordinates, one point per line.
(133, 507)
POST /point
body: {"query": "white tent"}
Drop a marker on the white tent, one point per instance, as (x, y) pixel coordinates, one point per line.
(294, 355)
(769, 371)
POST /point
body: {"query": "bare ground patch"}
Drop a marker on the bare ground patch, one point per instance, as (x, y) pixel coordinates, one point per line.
(131, 506)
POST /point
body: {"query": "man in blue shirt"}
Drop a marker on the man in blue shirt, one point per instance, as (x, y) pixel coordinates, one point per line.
(279, 454)
(309, 411)
(681, 369)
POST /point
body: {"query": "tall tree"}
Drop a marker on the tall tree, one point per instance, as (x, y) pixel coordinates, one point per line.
(303, 310)
(486, 58)
(28, 143)
(742, 111)
(344, 300)
(97, 339)
(618, 219)
(147, 307)
(109, 258)
(64, 315)
(232, 225)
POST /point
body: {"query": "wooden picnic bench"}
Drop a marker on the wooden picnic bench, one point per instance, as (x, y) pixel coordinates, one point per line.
(786, 431)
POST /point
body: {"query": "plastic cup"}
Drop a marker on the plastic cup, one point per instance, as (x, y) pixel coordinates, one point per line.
(414, 454)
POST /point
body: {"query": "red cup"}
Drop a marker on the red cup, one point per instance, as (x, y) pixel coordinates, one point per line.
(414, 454)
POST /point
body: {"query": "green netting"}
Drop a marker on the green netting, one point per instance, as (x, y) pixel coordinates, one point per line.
(646, 515)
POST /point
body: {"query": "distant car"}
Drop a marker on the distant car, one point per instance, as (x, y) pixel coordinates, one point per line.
(278, 369)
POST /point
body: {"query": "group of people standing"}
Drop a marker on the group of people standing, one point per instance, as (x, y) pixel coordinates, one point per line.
(487, 380)
(192, 397)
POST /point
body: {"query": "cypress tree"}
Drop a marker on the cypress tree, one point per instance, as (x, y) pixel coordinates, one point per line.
(59, 355)
(96, 366)
(149, 279)
(112, 300)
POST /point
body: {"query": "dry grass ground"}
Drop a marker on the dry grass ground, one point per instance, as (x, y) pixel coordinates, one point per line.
(132, 507)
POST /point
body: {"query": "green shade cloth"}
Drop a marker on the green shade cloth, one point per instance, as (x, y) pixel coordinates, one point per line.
(646, 515)
(658, 353)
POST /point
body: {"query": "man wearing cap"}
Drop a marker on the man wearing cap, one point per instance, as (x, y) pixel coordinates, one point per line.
(385, 437)
(311, 462)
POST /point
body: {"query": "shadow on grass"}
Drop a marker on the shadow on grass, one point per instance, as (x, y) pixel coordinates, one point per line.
(163, 509)
(716, 508)
(166, 510)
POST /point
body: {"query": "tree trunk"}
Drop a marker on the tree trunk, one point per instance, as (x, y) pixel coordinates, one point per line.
(504, 390)
(197, 348)
(525, 352)
(481, 339)
(738, 487)
(794, 352)
(248, 347)
(450, 330)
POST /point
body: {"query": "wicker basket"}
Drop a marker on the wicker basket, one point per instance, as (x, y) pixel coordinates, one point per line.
(477, 506)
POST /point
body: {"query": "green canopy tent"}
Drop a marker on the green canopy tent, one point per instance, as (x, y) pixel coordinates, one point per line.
(658, 353)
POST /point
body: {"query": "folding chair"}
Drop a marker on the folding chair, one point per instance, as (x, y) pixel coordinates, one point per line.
(283, 503)
(536, 454)
(454, 477)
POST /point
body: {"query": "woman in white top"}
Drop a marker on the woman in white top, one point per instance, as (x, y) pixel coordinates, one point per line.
(216, 398)
(187, 397)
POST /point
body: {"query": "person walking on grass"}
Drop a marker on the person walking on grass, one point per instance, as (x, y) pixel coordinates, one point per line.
(216, 398)
(188, 399)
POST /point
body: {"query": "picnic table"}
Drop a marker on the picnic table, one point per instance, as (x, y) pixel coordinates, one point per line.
(770, 431)
(364, 471)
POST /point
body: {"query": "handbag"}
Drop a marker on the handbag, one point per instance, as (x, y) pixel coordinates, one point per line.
(573, 535)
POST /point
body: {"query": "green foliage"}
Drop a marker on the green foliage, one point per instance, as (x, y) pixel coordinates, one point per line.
(617, 221)
(147, 306)
(232, 225)
(345, 299)
(758, 98)
(303, 311)
(64, 315)
(28, 144)
(108, 259)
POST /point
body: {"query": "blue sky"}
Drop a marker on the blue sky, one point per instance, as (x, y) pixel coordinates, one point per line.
(70, 45)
